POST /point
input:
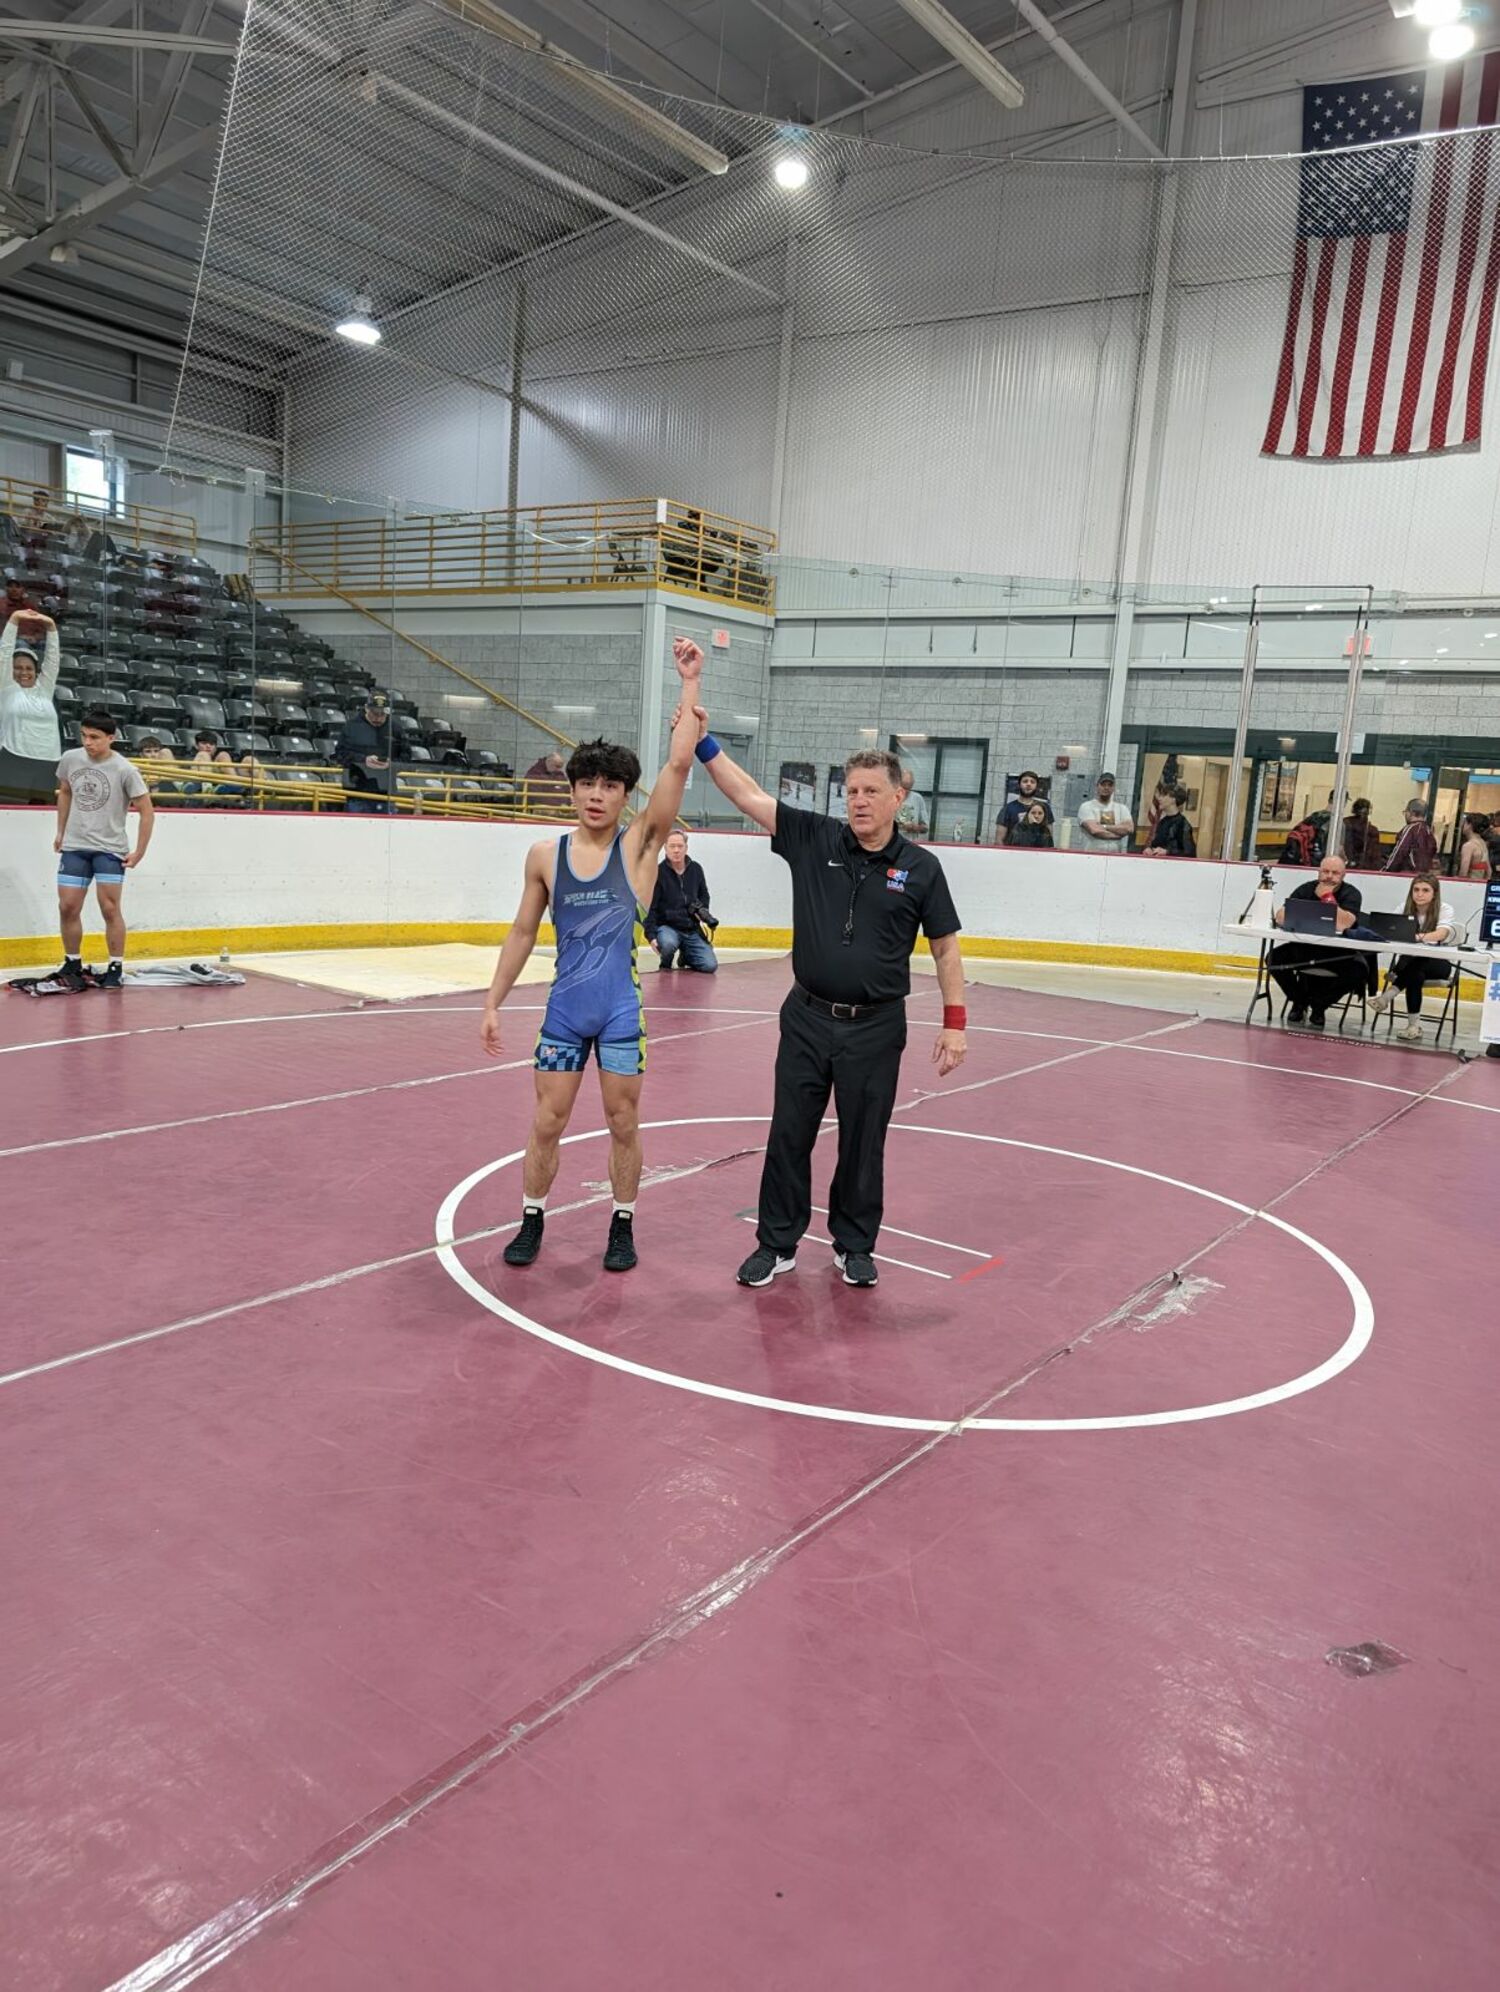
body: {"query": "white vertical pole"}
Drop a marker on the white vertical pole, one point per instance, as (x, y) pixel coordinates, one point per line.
(783, 387)
(1241, 729)
(1143, 466)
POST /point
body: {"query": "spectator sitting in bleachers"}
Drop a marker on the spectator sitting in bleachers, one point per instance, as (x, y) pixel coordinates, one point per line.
(208, 752)
(546, 784)
(17, 602)
(28, 718)
(39, 518)
(151, 756)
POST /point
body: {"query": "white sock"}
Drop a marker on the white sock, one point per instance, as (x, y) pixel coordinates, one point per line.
(533, 1203)
(624, 1210)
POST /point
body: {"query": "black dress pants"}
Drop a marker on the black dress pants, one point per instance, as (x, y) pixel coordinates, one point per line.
(1313, 978)
(858, 1060)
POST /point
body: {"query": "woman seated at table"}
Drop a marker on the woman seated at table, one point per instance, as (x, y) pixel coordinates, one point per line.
(1436, 928)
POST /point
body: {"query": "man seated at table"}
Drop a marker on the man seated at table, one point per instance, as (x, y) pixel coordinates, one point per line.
(1311, 977)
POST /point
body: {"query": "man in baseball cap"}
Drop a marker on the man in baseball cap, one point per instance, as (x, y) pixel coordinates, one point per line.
(364, 752)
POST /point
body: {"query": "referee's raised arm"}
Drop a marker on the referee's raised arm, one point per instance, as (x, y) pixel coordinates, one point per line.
(747, 795)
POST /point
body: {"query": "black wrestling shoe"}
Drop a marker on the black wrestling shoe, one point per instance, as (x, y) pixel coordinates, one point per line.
(763, 1265)
(858, 1268)
(72, 975)
(112, 977)
(527, 1242)
(619, 1253)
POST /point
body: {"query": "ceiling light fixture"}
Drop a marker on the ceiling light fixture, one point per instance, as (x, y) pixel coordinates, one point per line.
(1449, 43)
(790, 172)
(359, 328)
(1437, 13)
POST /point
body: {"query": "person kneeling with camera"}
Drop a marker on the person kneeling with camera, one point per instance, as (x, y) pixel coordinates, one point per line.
(679, 922)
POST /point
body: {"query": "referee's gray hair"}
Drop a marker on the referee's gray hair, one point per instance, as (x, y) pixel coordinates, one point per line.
(877, 757)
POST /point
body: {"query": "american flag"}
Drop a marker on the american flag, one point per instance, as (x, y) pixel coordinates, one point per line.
(1393, 282)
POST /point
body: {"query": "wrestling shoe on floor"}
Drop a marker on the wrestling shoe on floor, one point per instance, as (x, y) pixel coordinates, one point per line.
(763, 1265)
(858, 1268)
(619, 1253)
(527, 1242)
(112, 977)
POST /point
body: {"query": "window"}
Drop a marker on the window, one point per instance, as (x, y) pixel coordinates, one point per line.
(950, 778)
(93, 482)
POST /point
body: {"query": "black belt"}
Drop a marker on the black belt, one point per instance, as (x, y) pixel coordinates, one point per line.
(843, 1009)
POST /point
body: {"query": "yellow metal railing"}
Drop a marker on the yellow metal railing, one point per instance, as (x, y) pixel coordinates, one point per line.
(131, 525)
(422, 789)
(616, 543)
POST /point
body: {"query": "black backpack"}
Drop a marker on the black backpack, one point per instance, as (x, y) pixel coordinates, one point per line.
(1303, 846)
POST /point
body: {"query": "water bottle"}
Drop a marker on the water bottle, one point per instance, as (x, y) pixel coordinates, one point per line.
(223, 957)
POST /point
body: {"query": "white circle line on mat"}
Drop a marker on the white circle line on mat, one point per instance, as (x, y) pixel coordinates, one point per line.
(1350, 1350)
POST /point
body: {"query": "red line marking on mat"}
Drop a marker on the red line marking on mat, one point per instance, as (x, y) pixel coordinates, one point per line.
(974, 1271)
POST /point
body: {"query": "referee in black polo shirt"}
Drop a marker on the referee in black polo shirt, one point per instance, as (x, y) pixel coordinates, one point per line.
(860, 892)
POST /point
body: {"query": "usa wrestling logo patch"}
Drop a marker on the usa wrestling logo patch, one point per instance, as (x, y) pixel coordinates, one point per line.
(895, 881)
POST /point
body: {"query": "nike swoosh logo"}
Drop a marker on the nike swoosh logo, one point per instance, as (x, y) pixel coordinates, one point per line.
(837, 863)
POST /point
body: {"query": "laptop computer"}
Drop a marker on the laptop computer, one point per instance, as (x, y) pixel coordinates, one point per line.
(1309, 916)
(1391, 926)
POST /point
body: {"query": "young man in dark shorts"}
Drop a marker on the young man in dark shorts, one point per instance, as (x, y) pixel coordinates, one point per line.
(96, 791)
(597, 881)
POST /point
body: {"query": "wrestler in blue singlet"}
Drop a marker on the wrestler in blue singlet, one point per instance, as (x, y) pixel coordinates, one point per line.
(596, 992)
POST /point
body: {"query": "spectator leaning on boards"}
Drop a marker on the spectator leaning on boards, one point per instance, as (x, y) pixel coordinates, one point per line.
(1104, 823)
(1173, 836)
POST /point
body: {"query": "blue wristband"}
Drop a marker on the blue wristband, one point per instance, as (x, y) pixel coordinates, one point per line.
(706, 749)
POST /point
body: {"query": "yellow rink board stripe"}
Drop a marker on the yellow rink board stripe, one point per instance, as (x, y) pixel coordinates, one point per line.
(23, 950)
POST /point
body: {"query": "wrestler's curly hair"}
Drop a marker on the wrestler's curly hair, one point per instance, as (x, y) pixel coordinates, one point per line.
(606, 758)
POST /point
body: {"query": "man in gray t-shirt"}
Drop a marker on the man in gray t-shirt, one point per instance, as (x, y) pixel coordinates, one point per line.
(96, 790)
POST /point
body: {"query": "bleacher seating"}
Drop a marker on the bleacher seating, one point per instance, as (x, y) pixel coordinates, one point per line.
(160, 639)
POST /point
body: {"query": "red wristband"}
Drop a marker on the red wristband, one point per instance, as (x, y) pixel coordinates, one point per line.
(955, 1017)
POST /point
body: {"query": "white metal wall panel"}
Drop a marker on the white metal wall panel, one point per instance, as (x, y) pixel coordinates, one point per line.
(696, 429)
(1228, 515)
(999, 447)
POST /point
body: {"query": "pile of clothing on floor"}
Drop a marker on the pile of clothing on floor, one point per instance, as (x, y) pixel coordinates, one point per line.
(71, 980)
